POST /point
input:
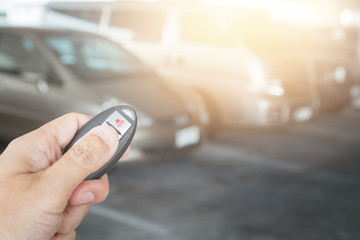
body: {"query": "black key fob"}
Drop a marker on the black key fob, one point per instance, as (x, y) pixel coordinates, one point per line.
(124, 120)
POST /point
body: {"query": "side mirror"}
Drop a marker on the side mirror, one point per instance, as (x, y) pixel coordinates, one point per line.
(37, 78)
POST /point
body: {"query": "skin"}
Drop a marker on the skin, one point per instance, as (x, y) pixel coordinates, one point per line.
(43, 194)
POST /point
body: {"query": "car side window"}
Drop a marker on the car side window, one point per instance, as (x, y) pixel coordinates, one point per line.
(205, 28)
(93, 58)
(18, 54)
(87, 15)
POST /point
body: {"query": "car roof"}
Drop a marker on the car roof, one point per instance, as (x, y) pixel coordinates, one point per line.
(124, 4)
(37, 30)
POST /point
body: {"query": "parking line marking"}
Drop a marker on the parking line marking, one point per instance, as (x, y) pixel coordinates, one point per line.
(227, 152)
(128, 219)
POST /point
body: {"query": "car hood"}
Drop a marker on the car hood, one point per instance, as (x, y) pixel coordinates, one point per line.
(147, 94)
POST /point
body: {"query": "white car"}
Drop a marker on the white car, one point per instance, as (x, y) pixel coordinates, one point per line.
(191, 44)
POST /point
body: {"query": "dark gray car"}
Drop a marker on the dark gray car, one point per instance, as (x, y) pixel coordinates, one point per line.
(47, 73)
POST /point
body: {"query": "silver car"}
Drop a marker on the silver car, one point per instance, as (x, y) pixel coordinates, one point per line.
(47, 73)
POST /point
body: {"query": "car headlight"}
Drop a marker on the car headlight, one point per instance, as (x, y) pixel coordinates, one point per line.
(261, 84)
(144, 120)
(274, 87)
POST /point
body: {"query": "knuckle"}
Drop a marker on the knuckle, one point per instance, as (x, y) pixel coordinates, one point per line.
(83, 154)
(87, 152)
(16, 144)
(71, 114)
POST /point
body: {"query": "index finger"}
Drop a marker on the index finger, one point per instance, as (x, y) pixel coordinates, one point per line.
(65, 127)
(40, 148)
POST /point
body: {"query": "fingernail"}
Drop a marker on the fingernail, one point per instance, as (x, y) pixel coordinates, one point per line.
(104, 132)
(86, 198)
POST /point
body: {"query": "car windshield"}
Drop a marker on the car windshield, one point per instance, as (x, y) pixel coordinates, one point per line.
(213, 25)
(93, 58)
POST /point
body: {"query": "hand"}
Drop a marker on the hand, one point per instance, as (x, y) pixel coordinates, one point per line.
(43, 194)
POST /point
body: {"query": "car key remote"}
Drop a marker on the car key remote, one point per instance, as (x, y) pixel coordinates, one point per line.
(125, 126)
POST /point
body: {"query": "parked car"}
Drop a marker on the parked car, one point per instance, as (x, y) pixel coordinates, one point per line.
(323, 57)
(190, 44)
(46, 73)
(334, 59)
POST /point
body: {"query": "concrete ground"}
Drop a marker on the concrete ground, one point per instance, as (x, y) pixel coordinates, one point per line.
(302, 182)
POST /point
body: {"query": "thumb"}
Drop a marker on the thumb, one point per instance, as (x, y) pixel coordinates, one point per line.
(87, 155)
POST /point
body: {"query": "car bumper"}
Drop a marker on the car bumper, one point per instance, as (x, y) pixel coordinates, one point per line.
(270, 112)
(163, 140)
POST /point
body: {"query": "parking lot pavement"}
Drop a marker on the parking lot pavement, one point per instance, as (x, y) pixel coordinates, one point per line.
(298, 183)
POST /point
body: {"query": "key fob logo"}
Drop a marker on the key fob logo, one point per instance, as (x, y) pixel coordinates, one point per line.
(119, 122)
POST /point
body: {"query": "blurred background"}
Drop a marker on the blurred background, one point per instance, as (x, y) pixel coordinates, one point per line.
(249, 111)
